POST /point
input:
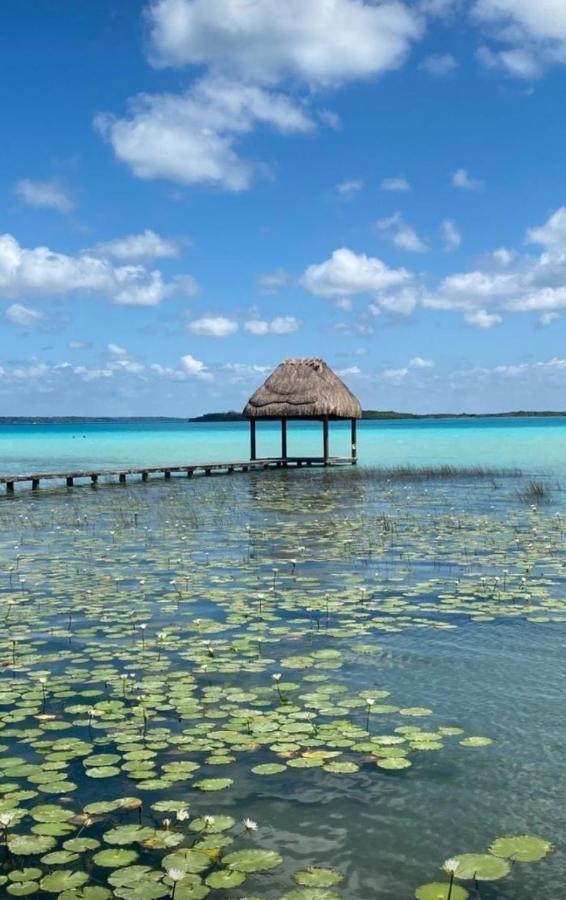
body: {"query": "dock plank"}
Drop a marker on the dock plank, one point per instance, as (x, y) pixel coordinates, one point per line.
(207, 468)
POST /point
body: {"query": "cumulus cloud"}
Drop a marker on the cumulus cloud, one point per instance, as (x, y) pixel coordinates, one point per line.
(320, 43)
(530, 34)
(17, 314)
(41, 272)
(213, 326)
(552, 234)
(145, 246)
(191, 138)
(418, 362)
(195, 368)
(43, 195)
(461, 179)
(348, 189)
(347, 273)
(398, 183)
(272, 282)
(279, 325)
(402, 235)
(512, 283)
(439, 64)
(395, 376)
(450, 235)
(479, 318)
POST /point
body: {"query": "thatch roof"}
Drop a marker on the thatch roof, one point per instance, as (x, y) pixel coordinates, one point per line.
(303, 388)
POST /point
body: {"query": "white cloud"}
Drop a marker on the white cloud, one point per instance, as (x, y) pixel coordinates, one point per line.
(351, 370)
(347, 190)
(195, 368)
(273, 281)
(461, 179)
(31, 371)
(147, 245)
(319, 42)
(439, 64)
(190, 138)
(116, 350)
(398, 183)
(418, 362)
(503, 256)
(279, 325)
(479, 318)
(395, 376)
(132, 366)
(532, 32)
(401, 235)
(450, 235)
(17, 314)
(551, 235)
(347, 273)
(43, 195)
(213, 326)
(42, 272)
(548, 318)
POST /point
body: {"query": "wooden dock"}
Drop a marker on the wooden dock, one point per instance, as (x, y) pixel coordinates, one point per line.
(95, 476)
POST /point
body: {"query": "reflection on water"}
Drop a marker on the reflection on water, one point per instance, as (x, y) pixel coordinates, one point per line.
(442, 602)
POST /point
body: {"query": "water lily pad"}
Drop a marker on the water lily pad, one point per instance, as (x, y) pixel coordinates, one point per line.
(114, 859)
(213, 784)
(225, 878)
(441, 891)
(64, 880)
(393, 763)
(252, 860)
(521, 848)
(319, 877)
(127, 834)
(269, 769)
(187, 860)
(476, 741)
(23, 888)
(481, 866)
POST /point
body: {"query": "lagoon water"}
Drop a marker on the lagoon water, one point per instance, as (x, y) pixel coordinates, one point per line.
(537, 444)
(448, 595)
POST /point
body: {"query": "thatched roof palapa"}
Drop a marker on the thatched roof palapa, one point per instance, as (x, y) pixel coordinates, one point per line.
(303, 389)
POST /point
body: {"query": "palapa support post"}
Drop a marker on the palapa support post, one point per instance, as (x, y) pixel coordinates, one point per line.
(253, 445)
(325, 440)
(354, 441)
(284, 441)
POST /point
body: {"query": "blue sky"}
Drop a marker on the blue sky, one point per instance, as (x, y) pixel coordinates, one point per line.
(193, 190)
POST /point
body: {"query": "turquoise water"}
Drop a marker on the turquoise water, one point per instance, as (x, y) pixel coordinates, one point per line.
(534, 444)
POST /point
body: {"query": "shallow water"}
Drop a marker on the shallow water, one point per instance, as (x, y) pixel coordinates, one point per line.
(533, 443)
(448, 595)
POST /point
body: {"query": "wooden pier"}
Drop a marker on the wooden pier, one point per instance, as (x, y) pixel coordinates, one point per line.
(95, 476)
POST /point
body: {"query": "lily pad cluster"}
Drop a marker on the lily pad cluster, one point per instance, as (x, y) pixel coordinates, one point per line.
(154, 656)
(491, 866)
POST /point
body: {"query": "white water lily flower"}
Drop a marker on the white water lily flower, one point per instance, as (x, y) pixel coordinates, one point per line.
(250, 825)
(176, 874)
(182, 815)
(450, 866)
(208, 820)
(370, 701)
(6, 819)
(277, 676)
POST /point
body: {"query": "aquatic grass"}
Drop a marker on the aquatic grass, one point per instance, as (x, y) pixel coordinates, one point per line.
(536, 492)
(433, 473)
